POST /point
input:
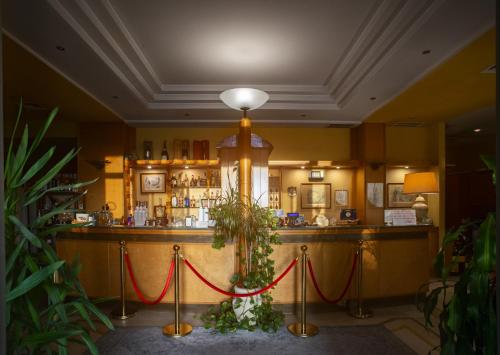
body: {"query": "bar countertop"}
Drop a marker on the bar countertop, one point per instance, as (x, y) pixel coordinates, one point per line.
(287, 234)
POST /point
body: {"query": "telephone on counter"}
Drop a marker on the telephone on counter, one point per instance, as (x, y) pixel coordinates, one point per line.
(294, 219)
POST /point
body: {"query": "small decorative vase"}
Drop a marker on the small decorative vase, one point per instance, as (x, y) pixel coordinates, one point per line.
(243, 306)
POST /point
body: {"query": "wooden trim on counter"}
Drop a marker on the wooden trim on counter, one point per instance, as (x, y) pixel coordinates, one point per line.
(288, 235)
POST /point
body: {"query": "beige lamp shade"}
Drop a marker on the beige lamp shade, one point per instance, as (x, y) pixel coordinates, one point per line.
(418, 183)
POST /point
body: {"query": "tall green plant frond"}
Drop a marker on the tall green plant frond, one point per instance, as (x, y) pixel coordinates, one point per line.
(40, 317)
(467, 323)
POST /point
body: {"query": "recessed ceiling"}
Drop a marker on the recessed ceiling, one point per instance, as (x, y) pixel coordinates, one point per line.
(42, 89)
(323, 62)
(456, 87)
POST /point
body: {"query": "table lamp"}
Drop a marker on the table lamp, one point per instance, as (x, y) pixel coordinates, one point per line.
(420, 183)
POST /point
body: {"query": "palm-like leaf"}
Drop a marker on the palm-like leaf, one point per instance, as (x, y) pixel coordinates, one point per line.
(33, 325)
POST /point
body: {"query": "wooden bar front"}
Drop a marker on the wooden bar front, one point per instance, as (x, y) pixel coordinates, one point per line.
(396, 260)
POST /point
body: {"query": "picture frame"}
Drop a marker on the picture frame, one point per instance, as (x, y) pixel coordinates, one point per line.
(375, 194)
(396, 198)
(315, 195)
(341, 198)
(153, 182)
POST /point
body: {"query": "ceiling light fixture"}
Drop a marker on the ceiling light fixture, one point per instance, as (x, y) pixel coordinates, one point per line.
(302, 167)
(244, 99)
(407, 167)
(186, 167)
(477, 130)
(337, 167)
(425, 52)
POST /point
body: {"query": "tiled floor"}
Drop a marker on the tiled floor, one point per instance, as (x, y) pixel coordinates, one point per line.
(404, 320)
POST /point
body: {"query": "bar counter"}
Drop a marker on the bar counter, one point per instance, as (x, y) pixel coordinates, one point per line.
(391, 255)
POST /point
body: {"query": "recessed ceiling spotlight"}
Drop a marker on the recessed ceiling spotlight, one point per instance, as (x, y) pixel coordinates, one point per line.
(150, 167)
(407, 167)
(302, 167)
(337, 167)
(186, 167)
(60, 48)
(427, 51)
(477, 130)
(373, 98)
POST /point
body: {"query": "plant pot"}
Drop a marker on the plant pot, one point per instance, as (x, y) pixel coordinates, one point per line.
(243, 306)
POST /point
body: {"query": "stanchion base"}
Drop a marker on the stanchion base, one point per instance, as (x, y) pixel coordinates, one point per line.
(296, 329)
(361, 312)
(130, 311)
(184, 329)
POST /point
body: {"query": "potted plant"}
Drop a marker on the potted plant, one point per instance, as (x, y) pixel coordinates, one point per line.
(467, 322)
(41, 316)
(253, 227)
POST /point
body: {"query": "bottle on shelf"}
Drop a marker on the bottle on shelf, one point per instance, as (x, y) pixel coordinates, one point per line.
(174, 200)
(148, 150)
(193, 181)
(173, 181)
(186, 201)
(203, 181)
(201, 213)
(164, 151)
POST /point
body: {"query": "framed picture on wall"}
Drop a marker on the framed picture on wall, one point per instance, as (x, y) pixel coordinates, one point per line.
(152, 182)
(341, 198)
(397, 199)
(315, 195)
(375, 194)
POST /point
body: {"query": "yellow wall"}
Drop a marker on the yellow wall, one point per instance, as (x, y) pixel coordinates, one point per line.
(406, 144)
(289, 143)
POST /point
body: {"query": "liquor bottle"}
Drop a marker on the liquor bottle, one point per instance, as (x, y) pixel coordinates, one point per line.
(193, 181)
(203, 181)
(201, 213)
(193, 201)
(174, 200)
(186, 201)
(173, 181)
(148, 154)
(164, 151)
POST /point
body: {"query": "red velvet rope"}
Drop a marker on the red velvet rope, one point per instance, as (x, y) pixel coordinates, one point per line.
(309, 264)
(138, 291)
(213, 287)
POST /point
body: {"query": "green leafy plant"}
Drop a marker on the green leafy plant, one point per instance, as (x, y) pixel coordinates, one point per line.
(43, 314)
(467, 323)
(254, 228)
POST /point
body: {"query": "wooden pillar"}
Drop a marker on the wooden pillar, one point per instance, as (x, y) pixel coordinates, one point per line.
(245, 169)
(368, 146)
(442, 179)
(244, 185)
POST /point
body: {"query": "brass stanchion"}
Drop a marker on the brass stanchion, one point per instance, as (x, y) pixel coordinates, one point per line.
(303, 329)
(125, 310)
(177, 329)
(360, 310)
